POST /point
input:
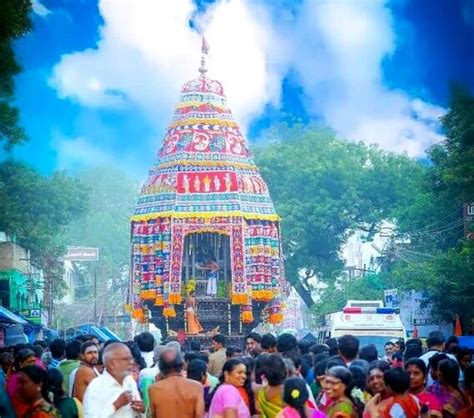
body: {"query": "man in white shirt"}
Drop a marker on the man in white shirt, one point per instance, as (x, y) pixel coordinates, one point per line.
(146, 344)
(436, 344)
(114, 393)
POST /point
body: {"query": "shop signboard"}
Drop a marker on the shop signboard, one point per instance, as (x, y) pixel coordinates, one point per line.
(416, 309)
(32, 315)
(82, 254)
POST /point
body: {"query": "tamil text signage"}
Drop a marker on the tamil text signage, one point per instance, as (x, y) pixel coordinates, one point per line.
(82, 254)
(468, 220)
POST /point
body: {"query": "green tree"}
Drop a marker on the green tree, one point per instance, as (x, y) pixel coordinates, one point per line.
(105, 225)
(437, 258)
(35, 209)
(453, 158)
(325, 188)
(448, 277)
(14, 23)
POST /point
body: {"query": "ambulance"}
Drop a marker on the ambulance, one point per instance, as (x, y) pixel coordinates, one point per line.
(368, 320)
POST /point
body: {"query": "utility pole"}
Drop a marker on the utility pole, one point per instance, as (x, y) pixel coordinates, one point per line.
(86, 254)
(50, 300)
(48, 289)
(106, 298)
(95, 295)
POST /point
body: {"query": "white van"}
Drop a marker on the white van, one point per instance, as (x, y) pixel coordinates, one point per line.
(368, 320)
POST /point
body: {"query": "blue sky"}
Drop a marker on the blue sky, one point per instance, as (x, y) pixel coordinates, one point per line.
(101, 77)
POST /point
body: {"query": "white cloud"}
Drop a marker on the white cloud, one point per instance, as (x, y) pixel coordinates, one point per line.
(143, 57)
(349, 41)
(147, 50)
(244, 57)
(427, 111)
(40, 9)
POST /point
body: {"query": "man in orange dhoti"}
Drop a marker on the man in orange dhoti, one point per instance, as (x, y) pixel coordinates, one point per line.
(194, 326)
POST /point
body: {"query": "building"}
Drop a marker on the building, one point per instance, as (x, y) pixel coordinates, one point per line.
(21, 283)
(362, 255)
(293, 312)
(69, 279)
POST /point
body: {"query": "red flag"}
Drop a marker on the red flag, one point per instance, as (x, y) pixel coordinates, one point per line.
(205, 46)
(415, 332)
(457, 327)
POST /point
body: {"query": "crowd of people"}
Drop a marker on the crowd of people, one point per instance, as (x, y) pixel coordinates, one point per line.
(271, 377)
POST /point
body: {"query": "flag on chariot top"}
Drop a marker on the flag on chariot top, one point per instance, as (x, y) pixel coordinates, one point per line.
(205, 46)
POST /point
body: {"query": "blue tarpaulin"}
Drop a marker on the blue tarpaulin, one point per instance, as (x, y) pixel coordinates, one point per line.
(112, 335)
(50, 334)
(95, 331)
(10, 317)
(466, 341)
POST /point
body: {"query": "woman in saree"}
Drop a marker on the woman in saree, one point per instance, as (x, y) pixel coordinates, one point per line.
(270, 395)
(24, 357)
(225, 400)
(32, 389)
(417, 370)
(338, 387)
(400, 402)
(375, 378)
(468, 412)
(194, 326)
(447, 389)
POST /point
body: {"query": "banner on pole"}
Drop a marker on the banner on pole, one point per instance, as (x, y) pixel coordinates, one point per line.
(391, 298)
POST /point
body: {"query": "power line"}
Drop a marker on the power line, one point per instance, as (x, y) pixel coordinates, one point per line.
(443, 229)
(423, 228)
(415, 253)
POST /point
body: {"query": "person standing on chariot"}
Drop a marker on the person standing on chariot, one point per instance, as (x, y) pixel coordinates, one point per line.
(210, 264)
(194, 326)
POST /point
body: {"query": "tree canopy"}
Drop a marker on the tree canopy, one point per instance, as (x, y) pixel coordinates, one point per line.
(36, 209)
(438, 258)
(14, 23)
(325, 188)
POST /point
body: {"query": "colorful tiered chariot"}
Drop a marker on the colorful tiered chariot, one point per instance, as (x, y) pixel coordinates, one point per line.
(206, 243)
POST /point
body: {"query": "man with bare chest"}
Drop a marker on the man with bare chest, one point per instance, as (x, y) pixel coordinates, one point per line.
(173, 395)
(87, 370)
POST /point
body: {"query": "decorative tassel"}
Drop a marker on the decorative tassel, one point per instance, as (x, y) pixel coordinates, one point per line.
(240, 299)
(247, 314)
(262, 295)
(174, 298)
(138, 314)
(149, 294)
(247, 317)
(169, 312)
(276, 318)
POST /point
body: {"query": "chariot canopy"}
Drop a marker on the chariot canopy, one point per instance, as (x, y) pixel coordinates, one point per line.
(205, 214)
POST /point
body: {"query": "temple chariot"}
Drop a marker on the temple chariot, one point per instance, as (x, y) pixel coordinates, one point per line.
(205, 237)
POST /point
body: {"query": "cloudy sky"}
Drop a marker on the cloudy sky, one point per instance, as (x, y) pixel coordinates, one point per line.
(101, 77)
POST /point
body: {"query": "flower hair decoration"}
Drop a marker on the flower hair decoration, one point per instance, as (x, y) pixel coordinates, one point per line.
(295, 393)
